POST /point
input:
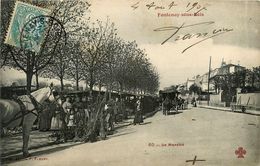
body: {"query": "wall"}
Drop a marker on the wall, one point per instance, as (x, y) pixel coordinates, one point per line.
(215, 100)
(219, 104)
(254, 99)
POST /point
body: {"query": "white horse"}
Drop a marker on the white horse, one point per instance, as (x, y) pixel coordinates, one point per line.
(12, 115)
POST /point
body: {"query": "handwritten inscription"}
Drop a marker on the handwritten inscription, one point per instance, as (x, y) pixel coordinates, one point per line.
(193, 7)
(202, 36)
(194, 160)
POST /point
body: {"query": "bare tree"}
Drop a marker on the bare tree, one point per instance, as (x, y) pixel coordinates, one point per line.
(95, 43)
(128, 66)
(58, 66)
(75, 67)
(66, 59)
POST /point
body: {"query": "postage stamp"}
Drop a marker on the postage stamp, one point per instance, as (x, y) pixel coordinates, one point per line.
(23, 13)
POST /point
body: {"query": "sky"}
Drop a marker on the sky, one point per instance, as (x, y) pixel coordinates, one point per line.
(240, 45)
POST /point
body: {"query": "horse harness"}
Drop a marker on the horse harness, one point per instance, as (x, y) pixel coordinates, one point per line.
(24, 111)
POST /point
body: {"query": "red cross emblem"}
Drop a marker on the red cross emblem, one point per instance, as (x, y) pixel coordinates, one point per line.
(240, 152)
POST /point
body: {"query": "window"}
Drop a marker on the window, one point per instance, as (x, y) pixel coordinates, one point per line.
(232, 69)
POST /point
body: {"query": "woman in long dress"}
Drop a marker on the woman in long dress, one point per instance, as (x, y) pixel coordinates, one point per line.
(138, 113)
(58, 123)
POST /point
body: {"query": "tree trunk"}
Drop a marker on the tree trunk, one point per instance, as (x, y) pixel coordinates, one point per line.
(120, 91)
(90, 88)
(29, 75)
(77, 79)
(91, 82)
(109, 91)
(99, 88)
(61, 84)
(77, 83)
(98, 110)
(91, 85)
(37, 80)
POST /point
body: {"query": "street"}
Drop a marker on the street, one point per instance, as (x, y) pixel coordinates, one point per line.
(91, 83)
(196, 136)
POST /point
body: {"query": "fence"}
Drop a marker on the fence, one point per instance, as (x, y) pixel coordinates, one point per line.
(251, 100)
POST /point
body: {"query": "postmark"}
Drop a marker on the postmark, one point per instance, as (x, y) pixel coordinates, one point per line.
(42, 33)
(22, 13)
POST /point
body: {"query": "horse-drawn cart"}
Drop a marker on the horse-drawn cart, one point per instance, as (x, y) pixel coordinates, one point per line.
(171, 103)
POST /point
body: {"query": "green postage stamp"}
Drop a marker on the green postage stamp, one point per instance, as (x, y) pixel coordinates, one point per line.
(22, 14)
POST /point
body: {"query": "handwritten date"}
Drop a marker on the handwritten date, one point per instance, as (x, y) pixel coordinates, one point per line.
(195, 7)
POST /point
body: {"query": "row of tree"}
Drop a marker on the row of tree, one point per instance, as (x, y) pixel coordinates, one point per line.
(89, 51)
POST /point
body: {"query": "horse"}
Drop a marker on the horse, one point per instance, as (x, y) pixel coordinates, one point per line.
(166, 106)
(24, 113)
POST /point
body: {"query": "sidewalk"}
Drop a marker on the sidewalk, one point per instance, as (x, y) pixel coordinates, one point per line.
(251, 112)
(11, 145)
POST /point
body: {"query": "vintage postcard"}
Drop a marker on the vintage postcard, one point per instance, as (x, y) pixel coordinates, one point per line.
(130, 82)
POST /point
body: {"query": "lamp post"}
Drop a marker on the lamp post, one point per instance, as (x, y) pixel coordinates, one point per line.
(209, 78)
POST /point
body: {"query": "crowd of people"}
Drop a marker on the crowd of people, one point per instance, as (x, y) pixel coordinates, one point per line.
(83, 119)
